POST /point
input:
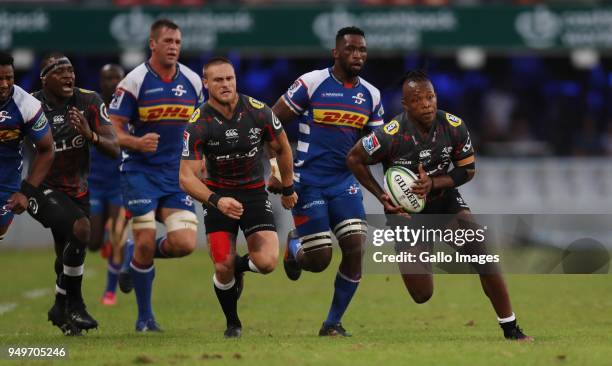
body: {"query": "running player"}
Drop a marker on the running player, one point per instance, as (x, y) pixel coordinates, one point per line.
(427, 141)
(157, 99)
(105, 196)
(337, 107)
(20, 116)
(229, 132)
(78, 119)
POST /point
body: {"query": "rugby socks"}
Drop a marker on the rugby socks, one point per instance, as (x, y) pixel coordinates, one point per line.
(159, 248)
(228, 298)
(143, 276)
(73, 260)
(294, 246)
(244, 264)
(112, 275)
(344, 289)
(507, 324)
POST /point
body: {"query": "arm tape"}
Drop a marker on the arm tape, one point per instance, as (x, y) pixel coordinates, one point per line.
(459, 175)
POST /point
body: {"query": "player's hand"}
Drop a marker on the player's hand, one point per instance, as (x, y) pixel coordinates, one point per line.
(274, 185)
(17, 203)
(78, 121)
(391, 208)
(149, 142)
(422, 186)
(289, 201)
(230, 207)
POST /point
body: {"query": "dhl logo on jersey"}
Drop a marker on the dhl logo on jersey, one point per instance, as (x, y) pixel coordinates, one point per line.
(340, 118)
(9, 135)
(165, 112)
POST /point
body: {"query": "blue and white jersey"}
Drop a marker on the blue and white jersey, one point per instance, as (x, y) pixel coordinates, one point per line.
(21, 115)
(153, 104)
(334, 117)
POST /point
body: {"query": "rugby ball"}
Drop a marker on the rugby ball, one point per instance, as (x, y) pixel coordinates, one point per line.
(397, 185)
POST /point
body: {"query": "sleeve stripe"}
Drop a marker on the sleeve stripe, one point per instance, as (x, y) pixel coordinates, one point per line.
(470, 159)
(376, 123)
(294, 107)
(36, 116)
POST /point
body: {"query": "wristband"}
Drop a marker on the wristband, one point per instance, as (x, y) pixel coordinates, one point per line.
(288, 191)
(213, 199)
(27, 189)
(95, 138)
(274, 169)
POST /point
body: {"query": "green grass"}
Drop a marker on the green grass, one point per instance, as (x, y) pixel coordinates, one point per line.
(568, 315)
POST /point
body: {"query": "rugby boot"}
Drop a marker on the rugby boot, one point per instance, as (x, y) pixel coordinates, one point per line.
(333, 330)
(291, 266)
(76, 311)
(514, 333)
(57, 317)
(109, 298)
(149, 325)
(233, 331)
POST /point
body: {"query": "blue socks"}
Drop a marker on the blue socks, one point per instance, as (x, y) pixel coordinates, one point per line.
(143, 287)
(294, 246)
(112, 275)
(344, 289)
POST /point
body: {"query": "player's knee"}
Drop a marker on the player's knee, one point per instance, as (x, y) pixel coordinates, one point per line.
(224, 269)
(420, 296)
(318, 260)
(180, 245)
(351, 231)
(146, 221)
(267, 264)
(81, 229)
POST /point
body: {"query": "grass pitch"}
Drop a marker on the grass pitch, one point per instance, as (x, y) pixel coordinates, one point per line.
(568, 315)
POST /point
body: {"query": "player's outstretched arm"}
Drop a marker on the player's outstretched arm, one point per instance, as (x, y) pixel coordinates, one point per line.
(193, 186)
(18, 202)
(282, 149)
(146, 143)
(358, 161)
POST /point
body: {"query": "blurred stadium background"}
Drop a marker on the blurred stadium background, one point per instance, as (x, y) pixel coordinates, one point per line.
(532, 80)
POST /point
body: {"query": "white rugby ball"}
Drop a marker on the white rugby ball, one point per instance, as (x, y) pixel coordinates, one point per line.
(397, 185)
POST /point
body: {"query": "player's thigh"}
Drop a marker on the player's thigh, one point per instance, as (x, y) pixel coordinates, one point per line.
(263, 249)
(221, 233)
(177, 212)
(257, 224)
(311, 221)
(347, 215)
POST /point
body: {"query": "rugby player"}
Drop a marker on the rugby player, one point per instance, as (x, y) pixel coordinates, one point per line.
(156, 99)
(21, 116)
(78, 119)
(229, 132)
(427, 141)
(105, 196)
(337, 107)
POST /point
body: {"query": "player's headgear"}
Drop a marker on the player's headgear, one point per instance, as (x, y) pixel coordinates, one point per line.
(349, 30)
(58, 61)
(6, 59)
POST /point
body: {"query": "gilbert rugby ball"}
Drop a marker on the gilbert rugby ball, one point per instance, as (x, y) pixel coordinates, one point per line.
(397, 185)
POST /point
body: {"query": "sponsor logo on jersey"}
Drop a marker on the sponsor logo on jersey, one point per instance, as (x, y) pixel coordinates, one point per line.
(332, 95)
(312, 204)
(185, 144)
(187, 200)
(65, 145)
(381, 111)
(340, 118)
(179, 90)
(40, 123)
(293, 88)
(4, 115)
(104, 112)
(212, 143)
(117, 99)
(9, 135)
(353, 189)
(370, 143)
(254, 134)
(453, 120)
(468, 145)
(231, 135)
(165, 112)
(195, 116)
(276, 123)
(425, 154)
(255, 103)
(59, 119)
(392, 127)
(359, 99)
(237, 156)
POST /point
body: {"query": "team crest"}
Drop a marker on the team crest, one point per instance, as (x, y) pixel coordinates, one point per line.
(255, 103)
(195, 116)
(453, 120)
(391, 128)
(370, 143)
